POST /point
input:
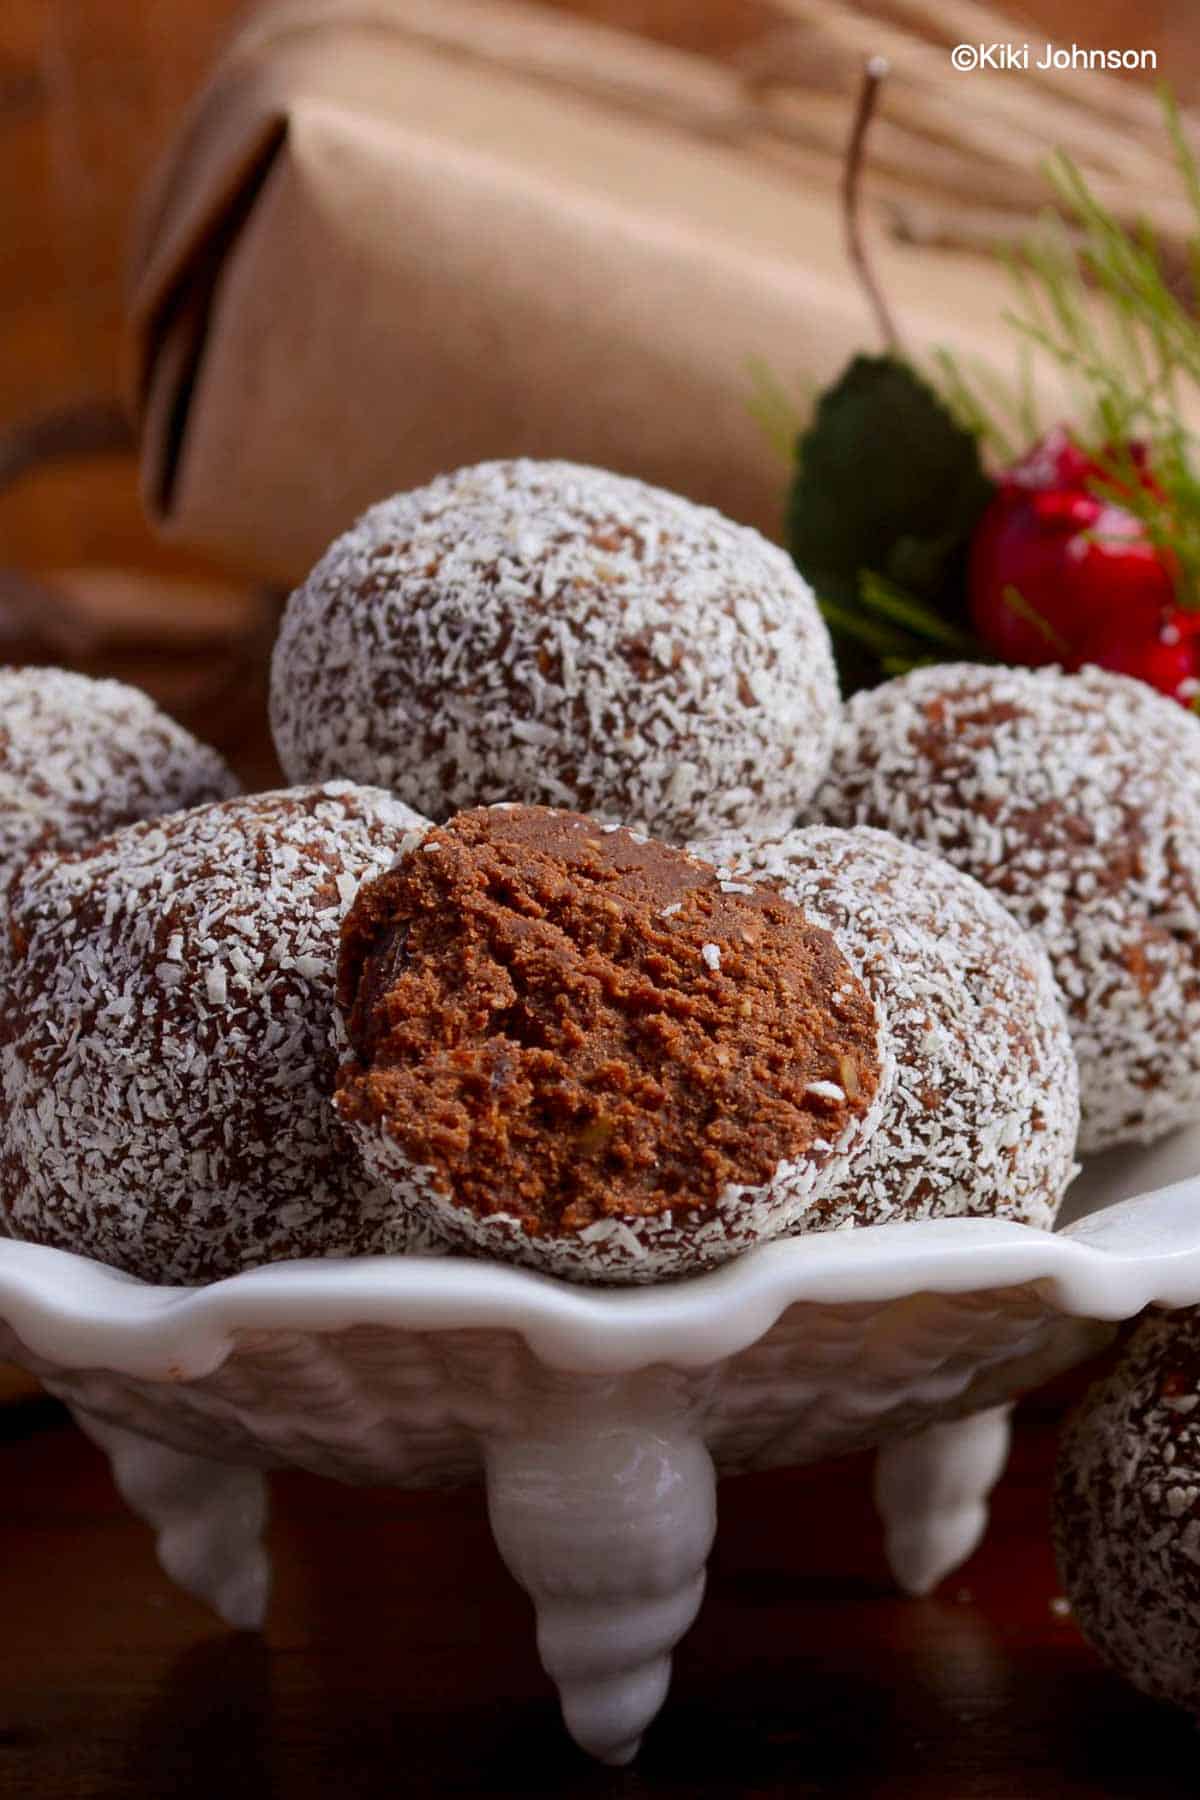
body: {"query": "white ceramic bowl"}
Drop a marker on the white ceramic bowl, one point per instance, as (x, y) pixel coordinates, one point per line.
(597, 1418)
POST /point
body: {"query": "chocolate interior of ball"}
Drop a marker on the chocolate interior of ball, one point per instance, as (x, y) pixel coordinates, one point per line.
(566, 1022)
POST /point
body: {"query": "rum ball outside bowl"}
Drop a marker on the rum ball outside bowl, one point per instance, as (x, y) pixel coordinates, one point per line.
(1127, 1511)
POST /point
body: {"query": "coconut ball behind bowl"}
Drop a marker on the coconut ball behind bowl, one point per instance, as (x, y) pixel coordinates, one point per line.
(79, 758)
(556, 634)
(982, 1116)
(575, 1048)
(1076, 800)
(166, 1074)
(1127, 1511)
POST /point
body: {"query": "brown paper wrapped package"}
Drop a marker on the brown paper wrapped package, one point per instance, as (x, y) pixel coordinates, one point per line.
(399, 236)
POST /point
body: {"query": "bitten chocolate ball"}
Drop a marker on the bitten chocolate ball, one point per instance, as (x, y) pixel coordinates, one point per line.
(981, 1118)
(1076, 799)
(79, 758)
(539, 631)
(166, 1074)
(575, 1048)
(1127, 1511)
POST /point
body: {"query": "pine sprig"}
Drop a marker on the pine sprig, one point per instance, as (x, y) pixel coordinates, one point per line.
(773, 408)
(1094, 298)
(925, 627)
(895, 627)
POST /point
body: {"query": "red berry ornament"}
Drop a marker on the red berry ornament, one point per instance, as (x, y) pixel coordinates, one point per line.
(1060, 575)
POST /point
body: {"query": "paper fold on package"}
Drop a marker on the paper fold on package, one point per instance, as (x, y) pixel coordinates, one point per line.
(401, 236)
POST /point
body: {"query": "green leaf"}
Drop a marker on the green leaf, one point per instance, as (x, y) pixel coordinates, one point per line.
(773, 408)
(885, 476)
(887, 482)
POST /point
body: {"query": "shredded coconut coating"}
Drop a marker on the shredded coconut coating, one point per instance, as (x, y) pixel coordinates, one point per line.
(80, 758)
(546, 1068)
(562, 635)
(982, 1114)
(1076, 799)
(165, 1067)
(1127, 1511)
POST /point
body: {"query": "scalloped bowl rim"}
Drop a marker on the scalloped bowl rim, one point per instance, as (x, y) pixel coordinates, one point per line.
(78, 1313)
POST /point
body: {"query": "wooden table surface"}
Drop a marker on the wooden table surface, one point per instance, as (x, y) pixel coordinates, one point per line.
(399, 1656)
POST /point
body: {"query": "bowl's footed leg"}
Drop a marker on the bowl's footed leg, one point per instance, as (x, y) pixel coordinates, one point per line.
(608, 1529)
(932, 1493)
(207, 1518)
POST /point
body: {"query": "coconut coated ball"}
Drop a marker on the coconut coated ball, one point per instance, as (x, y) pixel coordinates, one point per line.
(575, 1048)
(982, 1115)
(166, 1074)
(79, 758)
(545, 632)
(1127, 1511)
(1075, 799)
